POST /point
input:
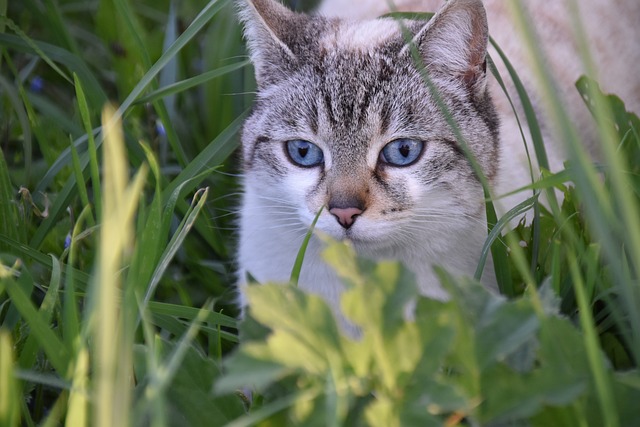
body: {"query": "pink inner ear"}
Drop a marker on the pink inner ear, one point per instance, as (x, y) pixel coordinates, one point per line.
(473, 73)
(478, 42)
(477, 51)
(456, 40)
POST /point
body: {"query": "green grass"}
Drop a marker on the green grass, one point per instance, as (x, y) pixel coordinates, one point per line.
(116, 255)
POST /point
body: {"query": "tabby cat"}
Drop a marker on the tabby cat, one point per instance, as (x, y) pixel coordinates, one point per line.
(345, 121)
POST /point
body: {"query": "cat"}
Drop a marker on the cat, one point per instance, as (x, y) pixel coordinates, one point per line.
(344, 121)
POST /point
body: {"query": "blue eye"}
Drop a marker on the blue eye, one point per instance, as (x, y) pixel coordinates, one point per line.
(402, 152)
(304, 153)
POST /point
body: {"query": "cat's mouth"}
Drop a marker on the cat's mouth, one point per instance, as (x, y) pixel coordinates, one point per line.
(364, 240)
(353, 234)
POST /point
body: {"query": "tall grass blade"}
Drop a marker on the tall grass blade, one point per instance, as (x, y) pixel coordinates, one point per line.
(297, 266)
(190, 313)
(193, 174)
(213, 155)
(531, 118)
(198, 202)
(23, 250)
(207, 13)
(79, 176)
(31, 347)
(3, 12)
(92, 149)
(501, 266)
(9, 230)
(78, 406)
(63, 160)
(57, 354)
(133, 29)
(596, 361)
(496, 231)
(37, 49)
(61, 31)
(153, 229)
(57, 210)
(71, 326)
(161, 378)
(52, 54)
(169, 75)
(10, 395)
(189, 83)
(113, 351)
(14, 98)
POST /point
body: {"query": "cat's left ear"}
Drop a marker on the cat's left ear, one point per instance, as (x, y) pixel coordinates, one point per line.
(454, 43)
(273, 33)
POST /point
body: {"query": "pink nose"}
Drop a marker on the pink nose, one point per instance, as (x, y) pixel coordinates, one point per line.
(345, 216)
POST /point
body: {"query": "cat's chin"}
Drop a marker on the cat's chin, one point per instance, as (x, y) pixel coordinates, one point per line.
(368, 237)
(365, 243)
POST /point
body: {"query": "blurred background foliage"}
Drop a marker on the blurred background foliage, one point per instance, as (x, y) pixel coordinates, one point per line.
(179, 75)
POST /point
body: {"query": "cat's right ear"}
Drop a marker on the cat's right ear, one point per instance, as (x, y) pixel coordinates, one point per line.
(272, 32)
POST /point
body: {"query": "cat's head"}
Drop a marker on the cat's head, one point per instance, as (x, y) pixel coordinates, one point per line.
(346, 118)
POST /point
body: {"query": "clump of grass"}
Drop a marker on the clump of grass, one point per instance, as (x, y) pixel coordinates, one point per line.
(99, 283)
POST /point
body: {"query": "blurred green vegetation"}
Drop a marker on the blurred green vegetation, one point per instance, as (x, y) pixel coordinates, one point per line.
(153, 289)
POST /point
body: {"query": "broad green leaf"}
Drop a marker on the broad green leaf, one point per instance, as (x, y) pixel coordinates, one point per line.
(510, 396)
(382, 413)
(268, 413)
(244, 370)
(299, 316)
(505, 330)
(341, 256)
(431, 400)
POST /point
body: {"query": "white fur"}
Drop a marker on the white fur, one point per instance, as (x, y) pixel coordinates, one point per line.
(361, 36)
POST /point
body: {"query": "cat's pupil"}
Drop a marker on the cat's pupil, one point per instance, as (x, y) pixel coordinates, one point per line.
(405, 150)
(303, 151)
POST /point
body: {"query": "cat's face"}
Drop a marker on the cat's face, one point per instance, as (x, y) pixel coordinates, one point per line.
(345, 122)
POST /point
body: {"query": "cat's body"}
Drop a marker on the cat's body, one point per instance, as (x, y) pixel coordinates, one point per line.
(344, 121)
